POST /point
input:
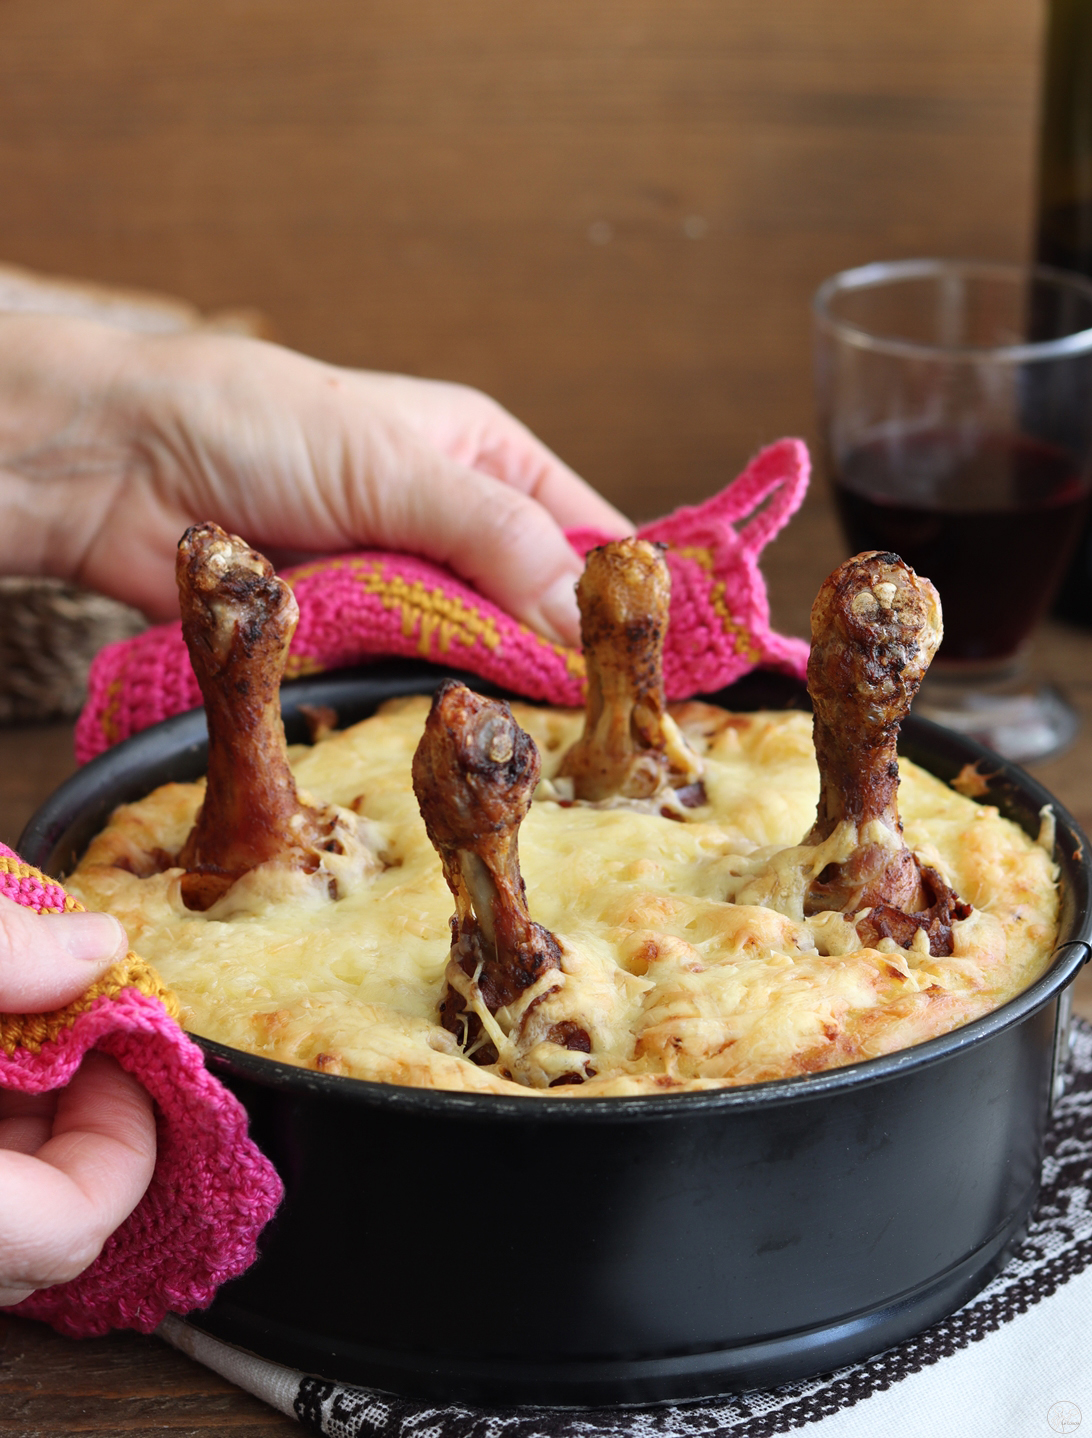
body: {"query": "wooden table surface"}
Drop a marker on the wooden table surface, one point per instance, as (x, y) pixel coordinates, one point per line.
(136, 1385)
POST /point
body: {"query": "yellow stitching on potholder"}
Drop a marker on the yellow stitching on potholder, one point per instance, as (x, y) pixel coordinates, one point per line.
(109, 713)
(742, 636)
(297, 665)
(573, 659)
(428, 612)
(434, 611)
(575, 665)
(31, 1031)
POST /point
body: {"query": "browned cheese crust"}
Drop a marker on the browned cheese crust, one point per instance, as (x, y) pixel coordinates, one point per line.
(635, 909)
(684, 946)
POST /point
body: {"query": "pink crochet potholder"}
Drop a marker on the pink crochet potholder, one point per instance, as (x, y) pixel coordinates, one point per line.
(371, 604)
(212, 1191)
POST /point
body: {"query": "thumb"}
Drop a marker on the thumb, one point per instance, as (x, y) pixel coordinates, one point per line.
(47, 960)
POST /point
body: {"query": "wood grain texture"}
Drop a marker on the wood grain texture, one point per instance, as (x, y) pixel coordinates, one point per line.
(122, 1384)
(34, 760)
(609, 214)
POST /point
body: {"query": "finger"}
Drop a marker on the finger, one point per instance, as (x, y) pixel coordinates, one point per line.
(47, 960)
(509, 451)
(475, 431)
(61, 1205)
(26, 1120)
(500, 540)
(573, 502)
(102, 1115)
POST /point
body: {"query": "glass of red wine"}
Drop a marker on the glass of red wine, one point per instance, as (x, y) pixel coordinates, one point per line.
(955, 409)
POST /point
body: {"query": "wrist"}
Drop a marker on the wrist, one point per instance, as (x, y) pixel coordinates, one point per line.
(60, 442)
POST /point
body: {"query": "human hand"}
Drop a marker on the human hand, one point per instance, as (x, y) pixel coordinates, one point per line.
(111, 444)
(74, 1163)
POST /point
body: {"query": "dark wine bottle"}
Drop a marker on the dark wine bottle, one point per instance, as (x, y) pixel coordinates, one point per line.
(1064, 234)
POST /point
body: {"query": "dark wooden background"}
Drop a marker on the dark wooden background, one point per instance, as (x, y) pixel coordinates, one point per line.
(608, 213)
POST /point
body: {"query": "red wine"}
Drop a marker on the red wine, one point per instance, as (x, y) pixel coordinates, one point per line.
(992, 525)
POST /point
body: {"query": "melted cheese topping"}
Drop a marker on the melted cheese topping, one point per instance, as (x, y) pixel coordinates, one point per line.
(686, 953)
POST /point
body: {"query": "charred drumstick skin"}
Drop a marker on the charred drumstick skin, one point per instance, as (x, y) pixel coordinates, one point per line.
(875, 628)
(238, 619)
(630, 746)
(474, 773)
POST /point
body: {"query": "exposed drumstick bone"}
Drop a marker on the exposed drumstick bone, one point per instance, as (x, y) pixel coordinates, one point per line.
(875, 628)
(238, 619)
(631, 747)
(474, 773)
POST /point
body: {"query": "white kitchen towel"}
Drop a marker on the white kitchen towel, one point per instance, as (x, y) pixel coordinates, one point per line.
(1015, 1361)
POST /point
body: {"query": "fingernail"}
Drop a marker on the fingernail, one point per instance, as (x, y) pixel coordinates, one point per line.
(559, 609)
(89, 937)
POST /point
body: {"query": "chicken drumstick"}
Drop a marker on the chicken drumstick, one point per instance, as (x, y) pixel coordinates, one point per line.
(875, 628)
(238, 619)
(631, 747)
(474, 773)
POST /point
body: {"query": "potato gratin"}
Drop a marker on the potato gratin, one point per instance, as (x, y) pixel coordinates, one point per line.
(688, 921)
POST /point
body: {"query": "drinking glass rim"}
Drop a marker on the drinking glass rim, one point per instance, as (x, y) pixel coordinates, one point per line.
(882, 271)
